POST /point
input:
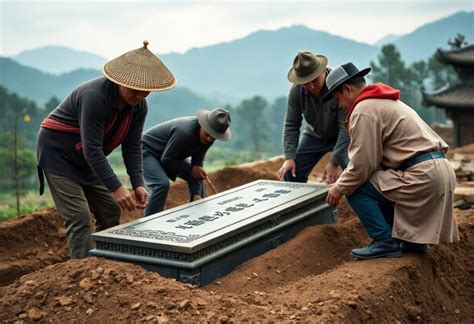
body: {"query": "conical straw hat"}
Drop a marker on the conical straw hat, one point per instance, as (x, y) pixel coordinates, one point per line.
(139, 69)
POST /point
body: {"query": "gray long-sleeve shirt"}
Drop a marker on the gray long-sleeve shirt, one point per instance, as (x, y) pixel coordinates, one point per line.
(324, 121)
(91, 107)
(172, 142)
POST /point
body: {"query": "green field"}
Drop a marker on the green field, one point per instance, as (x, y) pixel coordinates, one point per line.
(29, 202)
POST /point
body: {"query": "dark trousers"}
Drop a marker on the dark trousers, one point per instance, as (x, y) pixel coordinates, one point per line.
(374, 211)
(310, 150)
(158, 184)
(75, 202)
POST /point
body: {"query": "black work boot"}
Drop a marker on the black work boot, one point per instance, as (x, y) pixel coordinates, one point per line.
(379, 249)
(413, 247)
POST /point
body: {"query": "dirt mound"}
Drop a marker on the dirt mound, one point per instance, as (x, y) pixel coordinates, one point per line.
(30, 243)
(310, 278)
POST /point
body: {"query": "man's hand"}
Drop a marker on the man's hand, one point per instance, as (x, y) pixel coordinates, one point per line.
(198, 173)
(288, 165)
(123, 198)
(141, 197)
(331, 173)
(196, 197)
(334, 196)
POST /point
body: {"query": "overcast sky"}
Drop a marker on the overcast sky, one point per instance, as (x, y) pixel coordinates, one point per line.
(109, 28)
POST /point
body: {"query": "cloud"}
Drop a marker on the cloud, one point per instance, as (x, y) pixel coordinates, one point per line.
(110, 28)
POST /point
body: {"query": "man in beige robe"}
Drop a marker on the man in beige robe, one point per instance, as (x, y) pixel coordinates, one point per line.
(398, 181)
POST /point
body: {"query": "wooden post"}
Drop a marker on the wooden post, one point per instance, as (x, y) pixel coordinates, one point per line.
(15, 165)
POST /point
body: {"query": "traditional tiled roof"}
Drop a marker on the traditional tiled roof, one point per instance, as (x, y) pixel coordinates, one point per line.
(461, 56)
(459, 96)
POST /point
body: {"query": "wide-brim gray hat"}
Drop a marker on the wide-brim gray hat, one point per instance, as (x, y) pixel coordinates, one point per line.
(216, 123)
(139, 69)
(307, 67)
(340, 75)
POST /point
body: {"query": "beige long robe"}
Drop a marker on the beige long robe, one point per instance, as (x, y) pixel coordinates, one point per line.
(384, 133)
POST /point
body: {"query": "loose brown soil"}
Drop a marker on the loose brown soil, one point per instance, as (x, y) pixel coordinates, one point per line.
(311, 278)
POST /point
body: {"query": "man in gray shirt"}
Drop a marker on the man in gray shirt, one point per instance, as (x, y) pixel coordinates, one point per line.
(324, 129)
(167, 148)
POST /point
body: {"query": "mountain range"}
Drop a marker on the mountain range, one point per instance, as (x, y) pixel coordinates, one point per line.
(254, 65)
(59, 59)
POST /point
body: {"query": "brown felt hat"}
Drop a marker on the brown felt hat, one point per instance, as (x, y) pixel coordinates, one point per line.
(139, 69)
(307, 67)
(215, 122)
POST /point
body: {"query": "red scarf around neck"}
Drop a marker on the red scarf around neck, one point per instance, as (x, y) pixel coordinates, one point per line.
(375, 91)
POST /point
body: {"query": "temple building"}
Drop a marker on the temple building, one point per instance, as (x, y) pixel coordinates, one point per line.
(457, 99)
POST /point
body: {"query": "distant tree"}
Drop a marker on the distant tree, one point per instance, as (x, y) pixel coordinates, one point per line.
(26, 169)
(237, 150)
(431, 77)
(277, 112)
(439, 75)
(12, 110)
(420, 71)
(254, 125)
(390, 68)
(11, 105)
(52, 103)
(26, 163)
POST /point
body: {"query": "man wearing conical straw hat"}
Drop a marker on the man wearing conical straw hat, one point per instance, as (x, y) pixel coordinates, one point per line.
(74, 140)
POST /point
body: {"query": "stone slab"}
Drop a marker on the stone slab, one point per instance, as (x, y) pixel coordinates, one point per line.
(200, 241)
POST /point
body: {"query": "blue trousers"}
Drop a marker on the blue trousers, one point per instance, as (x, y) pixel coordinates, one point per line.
(374, 211)
(158, 183)
(310, 150)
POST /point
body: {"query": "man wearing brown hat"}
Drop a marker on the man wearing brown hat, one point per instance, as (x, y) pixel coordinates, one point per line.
(176, 148)
(76, 137)
(398, 180)
(324, 130)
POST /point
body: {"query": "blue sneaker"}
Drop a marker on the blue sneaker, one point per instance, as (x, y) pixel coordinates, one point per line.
(413, 247)
(379, 249)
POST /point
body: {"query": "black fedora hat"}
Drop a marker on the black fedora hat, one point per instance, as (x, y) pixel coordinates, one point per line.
(215, 122)
(341, 74)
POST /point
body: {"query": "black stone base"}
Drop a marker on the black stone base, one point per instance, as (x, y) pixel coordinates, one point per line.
(204, 270)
